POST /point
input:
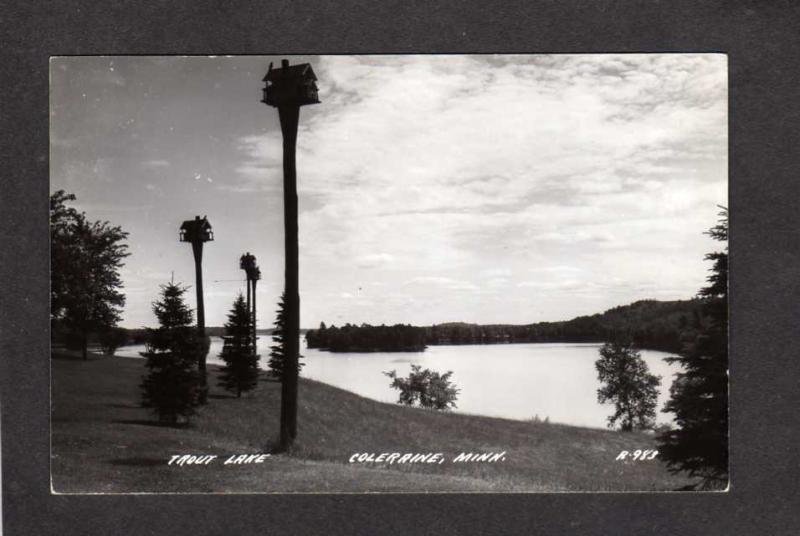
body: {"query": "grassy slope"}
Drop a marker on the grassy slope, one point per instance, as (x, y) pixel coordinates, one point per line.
(104, 442)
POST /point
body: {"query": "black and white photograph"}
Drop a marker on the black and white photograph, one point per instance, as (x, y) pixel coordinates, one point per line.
(448, 273)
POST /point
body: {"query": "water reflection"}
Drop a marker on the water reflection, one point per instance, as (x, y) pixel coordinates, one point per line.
(516, 381)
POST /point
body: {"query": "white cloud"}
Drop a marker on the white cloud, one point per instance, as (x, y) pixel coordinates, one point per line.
(374, 260)
(158, 163)
(443, 282)
(607, 165)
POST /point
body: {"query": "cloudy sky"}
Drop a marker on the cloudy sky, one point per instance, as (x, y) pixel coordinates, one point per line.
(483, 189)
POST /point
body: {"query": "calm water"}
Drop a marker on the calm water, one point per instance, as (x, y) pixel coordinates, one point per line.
(516, 381)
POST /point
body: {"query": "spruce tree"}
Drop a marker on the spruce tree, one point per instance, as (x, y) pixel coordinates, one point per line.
(171, 387)
(277, 350)
(699, 394)
(240, 373)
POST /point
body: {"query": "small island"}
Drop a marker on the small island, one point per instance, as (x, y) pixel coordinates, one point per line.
(366, 338)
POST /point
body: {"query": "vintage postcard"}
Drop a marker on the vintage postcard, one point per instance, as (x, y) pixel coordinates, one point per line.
(389, 273)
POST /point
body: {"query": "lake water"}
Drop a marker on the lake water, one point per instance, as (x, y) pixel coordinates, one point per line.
(516, 381)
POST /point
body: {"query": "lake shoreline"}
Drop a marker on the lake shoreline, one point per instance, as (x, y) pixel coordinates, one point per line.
(103, 441)
(384, 350)
(516, 381)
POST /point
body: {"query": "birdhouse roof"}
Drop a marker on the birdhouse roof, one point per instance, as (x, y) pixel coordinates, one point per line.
(301, 70)
(190, 224)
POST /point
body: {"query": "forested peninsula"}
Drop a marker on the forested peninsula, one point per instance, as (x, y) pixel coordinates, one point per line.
(654, 325)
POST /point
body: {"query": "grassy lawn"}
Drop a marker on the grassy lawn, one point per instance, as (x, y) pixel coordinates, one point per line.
(102, 441)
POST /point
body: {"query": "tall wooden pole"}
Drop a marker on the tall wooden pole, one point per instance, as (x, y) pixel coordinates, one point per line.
(197, 249)
(289, 115)
(253, 313)
(248, 292)
(287, 89)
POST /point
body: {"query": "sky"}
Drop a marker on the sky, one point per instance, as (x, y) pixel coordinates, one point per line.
(488, 189)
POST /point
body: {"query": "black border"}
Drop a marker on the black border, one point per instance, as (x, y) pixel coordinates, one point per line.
(762, 43)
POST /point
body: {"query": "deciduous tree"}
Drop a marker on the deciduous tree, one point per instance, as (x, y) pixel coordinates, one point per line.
(85, 259)
(628, 384)
(428, 388)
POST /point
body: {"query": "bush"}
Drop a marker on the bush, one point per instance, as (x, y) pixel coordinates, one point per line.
(111, 339)
(428, 388)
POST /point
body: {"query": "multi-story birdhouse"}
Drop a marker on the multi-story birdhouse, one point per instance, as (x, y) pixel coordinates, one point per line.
(196, 230)
(293, 85)
(247, 262)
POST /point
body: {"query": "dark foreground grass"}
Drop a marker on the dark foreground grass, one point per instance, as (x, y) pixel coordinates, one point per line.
(102, 442)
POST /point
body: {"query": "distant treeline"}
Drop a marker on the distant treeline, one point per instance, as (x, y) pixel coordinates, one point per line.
(652, 324)
(139, 335)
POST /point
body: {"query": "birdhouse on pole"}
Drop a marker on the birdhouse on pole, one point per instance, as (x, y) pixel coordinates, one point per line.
(247, 262)
(293, 85)
(196, 230)
(287, 89)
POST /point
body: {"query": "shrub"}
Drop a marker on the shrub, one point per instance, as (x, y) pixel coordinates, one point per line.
(428, 388)
(111, 339)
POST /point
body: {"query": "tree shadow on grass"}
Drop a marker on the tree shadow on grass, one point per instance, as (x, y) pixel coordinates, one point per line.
(222, 397)
(138, 462)
(273, 446)
(144, 422)
(66, 355)
(269, 379)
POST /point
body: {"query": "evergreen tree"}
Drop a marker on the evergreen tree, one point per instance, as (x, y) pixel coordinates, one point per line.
(277, 350)
(240, 373)
(699, 394)
(171, 387)
(628, 384)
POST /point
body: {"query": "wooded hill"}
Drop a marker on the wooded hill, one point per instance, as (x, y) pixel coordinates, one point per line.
(655, 325)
